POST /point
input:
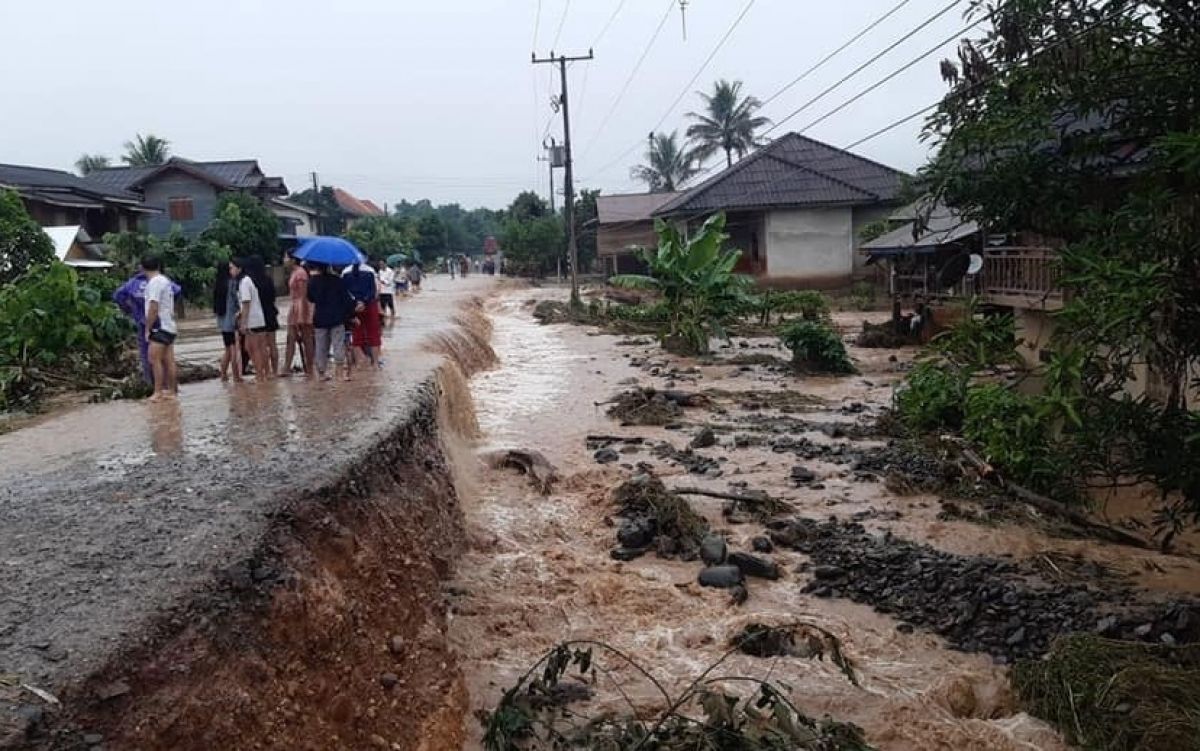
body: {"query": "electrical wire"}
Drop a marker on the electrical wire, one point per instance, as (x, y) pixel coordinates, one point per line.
(608, 23)
(683, 92)
(632, 74)
(913, 32)
(836, 52)
(561, 20)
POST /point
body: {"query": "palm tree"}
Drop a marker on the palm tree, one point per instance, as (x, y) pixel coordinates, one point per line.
(146, 151)
(668, 166)
(728, 123)
(87, 163)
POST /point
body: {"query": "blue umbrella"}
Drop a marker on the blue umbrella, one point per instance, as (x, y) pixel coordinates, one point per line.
(331, 250)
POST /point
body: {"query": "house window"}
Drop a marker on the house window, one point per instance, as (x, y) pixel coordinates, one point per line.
(180, 209)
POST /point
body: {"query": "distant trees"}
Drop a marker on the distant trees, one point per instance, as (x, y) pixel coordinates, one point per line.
(727, 124)
(146, 151)
(668, 164)
(88, 163)
(532, 237)
(380, 236)
(245, 226)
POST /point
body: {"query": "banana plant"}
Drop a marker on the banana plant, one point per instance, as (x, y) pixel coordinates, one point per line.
(696, 279)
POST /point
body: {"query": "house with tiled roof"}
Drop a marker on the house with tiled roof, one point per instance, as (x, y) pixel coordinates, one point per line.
(55, 198)
(795, 208)
(185, 191)
(354, 208)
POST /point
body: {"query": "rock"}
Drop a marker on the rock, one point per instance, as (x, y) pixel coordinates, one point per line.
(389, 680)
(396, 645)
(704, 439)
(638, 532)
(626, 554)
(1106, 625)
(712, 550)
(800, 473)
(1016, 637)
(721, 577)
(904, 627)
(753, 565)
(606, 456)
(826, 573)
(762, 544)
(93, 739)
(112, 690)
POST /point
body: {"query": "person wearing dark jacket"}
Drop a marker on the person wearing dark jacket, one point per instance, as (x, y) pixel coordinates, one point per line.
(331, 306)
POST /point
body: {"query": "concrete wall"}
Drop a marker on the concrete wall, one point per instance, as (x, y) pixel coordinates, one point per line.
(176, 184)
(810, 247)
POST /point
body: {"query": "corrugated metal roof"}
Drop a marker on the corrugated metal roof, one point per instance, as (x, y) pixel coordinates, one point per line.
(792, 171)
(20, 176)
(630, 207)
(944, 226)
(236, 173)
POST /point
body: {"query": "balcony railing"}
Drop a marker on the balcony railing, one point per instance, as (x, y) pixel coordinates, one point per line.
(1021, 277)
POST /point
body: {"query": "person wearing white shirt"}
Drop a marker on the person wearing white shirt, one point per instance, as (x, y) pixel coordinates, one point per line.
(252, 323)
(385, 279)
(160, 329)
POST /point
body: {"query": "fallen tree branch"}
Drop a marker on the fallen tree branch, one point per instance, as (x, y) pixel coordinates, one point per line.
(749, 499)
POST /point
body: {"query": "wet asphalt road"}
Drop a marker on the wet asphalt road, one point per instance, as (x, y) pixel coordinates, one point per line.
(113, 513)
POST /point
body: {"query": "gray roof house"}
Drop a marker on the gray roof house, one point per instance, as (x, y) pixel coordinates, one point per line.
(625, 222)
(186, 191)
(795, 208)
(55, 198)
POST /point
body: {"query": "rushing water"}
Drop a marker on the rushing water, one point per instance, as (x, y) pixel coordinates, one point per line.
(539, 571)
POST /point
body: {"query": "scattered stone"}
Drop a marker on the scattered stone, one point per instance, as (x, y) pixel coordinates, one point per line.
(762, 544)
(712, 550)
(801, 474)
(626, 554)
(112, 690)
(396, 645)
(638, 532)
(721, 577)
(606, 456)
(93, 739)
(389, 680)
(753, 565)
(705, 438)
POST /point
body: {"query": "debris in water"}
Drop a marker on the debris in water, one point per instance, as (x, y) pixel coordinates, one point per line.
(799, 639)
(648, 406)
(1123, 696)
(531, 715)
(541, 473)
(647, 504)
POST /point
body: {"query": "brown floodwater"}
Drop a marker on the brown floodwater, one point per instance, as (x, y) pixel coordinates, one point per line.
(539, 573)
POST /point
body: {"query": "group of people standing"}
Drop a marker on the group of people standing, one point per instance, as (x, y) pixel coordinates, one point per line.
(334, 313)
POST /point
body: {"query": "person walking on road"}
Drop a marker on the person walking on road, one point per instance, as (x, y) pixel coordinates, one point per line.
(414, 277)
(363, 287)
(160, 325)
(299, 319)
(386, 278)
(225, 308)
(252, 323)
(331, 304)
(130, 297)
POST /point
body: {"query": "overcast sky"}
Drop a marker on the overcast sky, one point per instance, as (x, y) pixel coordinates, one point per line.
(437, 99)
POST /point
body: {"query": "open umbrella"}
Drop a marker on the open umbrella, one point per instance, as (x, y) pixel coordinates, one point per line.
(331, 250)
(396, 259)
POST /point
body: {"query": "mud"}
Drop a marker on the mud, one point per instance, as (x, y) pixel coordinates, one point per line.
(539, 569)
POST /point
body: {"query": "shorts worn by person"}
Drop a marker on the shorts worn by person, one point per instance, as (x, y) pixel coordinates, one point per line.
(161, 329)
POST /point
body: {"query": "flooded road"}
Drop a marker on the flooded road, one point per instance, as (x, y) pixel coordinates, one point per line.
(539, 570)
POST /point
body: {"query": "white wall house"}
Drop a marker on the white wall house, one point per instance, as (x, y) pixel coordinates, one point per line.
(795, 209)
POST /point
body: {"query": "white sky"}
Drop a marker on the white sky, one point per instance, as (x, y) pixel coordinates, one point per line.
(434, 99)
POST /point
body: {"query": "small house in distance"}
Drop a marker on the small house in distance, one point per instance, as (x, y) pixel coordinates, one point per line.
(55, 198)
(795, 209)
(625, 222)
(187, 191)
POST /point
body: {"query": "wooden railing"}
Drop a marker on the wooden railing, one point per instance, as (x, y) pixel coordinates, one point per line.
(1021, 277)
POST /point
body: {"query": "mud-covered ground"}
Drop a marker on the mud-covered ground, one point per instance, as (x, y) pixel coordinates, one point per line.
(929, 600)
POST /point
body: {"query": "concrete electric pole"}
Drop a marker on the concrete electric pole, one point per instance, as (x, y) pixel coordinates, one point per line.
(568, 175)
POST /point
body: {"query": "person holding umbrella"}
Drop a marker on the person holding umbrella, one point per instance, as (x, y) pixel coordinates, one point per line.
(331, 304)
(368, 329)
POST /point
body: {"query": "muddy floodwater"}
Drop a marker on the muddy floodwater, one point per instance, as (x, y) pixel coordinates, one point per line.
(539, 571)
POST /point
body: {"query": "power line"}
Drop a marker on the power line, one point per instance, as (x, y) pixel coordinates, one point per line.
(561, 20)
(632, 74)
(537, 22)
(608, 23)
(920, 27)
(683, 92)
(836, 52)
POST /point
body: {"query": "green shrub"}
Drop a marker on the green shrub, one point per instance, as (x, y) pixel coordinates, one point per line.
(931, 397)
(1016, 434)
(810, 305)
(49, 323)
(862, 296)
(816, 347)
(977, 342)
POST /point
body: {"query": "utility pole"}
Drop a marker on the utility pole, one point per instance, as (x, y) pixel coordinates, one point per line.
(568, 175)
(553, 159)
(316, 202)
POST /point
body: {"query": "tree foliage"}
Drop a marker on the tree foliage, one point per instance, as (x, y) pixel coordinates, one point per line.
(245, 227)
(23, 244)
(669, 165)
(1080, 122)
(380, 237)
(696, 279)
(190, 262)
(88, 163)
(585, 218)
(146, 151)
(727, 124)
(532, 246)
